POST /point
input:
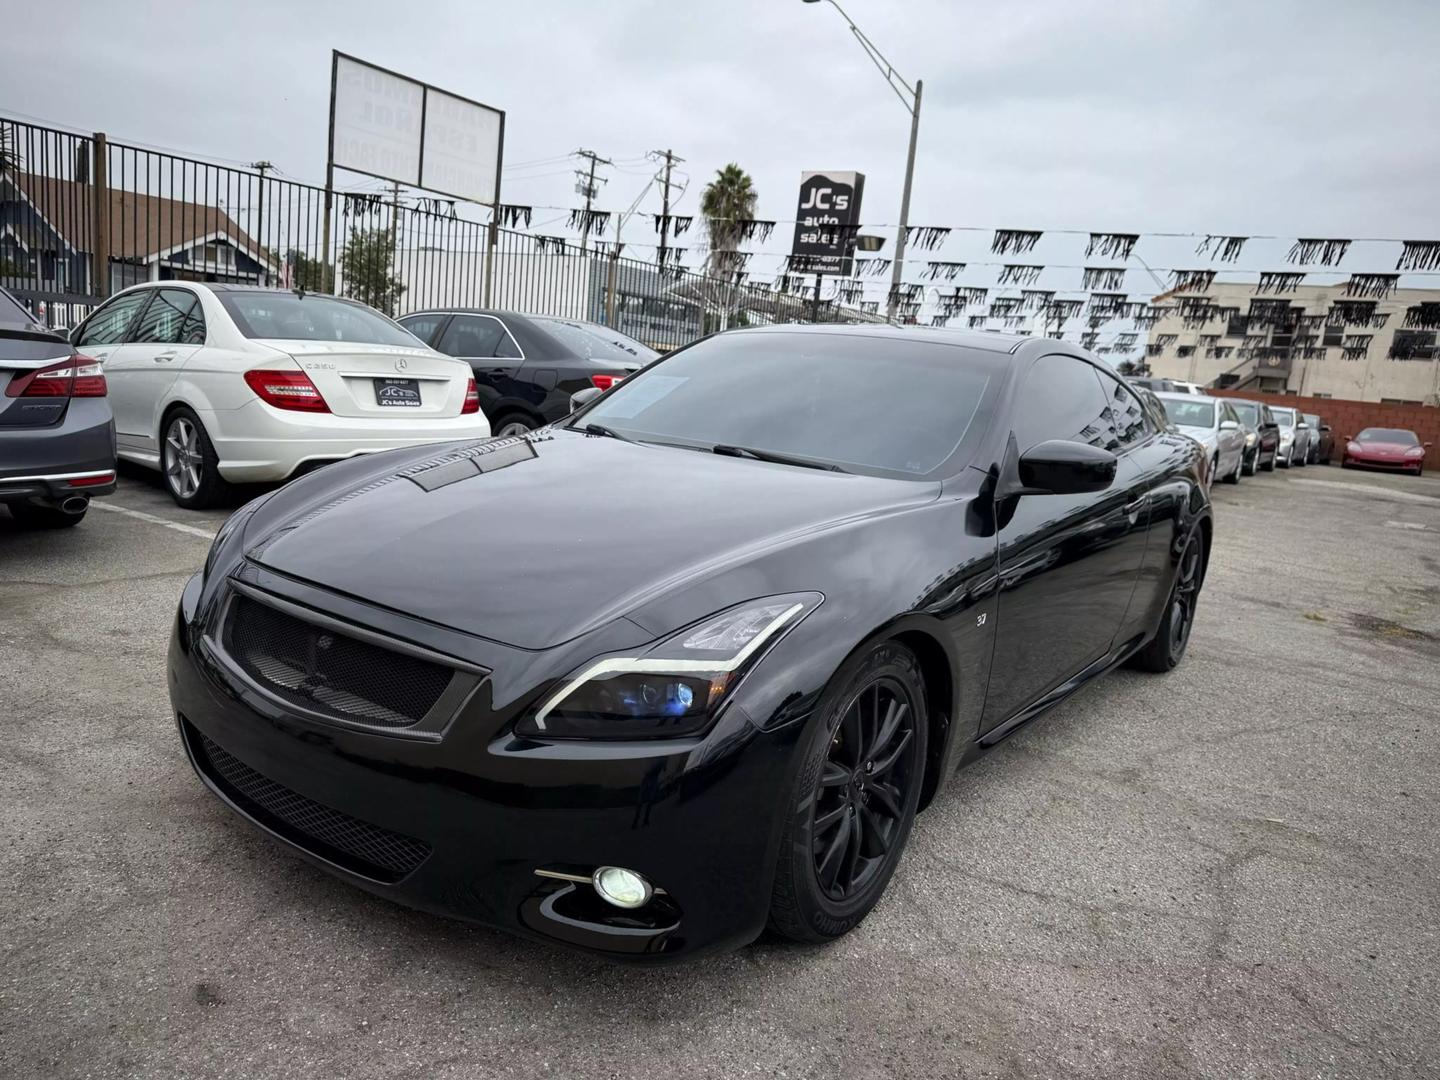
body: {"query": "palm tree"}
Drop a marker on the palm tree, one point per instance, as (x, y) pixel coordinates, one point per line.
(727, 201)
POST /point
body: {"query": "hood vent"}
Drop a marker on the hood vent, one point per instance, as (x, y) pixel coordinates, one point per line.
(472, 462)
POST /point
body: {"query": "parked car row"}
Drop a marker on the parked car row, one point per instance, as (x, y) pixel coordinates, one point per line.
(214, 385)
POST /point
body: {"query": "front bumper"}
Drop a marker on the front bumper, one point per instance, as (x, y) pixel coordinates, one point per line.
(466, 819)
(1393, 464)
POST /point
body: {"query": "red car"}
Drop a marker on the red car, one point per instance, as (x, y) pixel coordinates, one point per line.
(1386, 448)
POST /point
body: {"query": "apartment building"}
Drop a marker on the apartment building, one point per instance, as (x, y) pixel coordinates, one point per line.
(1360, 340)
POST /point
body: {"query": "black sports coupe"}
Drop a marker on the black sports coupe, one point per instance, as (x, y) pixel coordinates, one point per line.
(690, 662)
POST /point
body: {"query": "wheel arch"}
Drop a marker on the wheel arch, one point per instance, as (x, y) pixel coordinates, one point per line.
(938, 672)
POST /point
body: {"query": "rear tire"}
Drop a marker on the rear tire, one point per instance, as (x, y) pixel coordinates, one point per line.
(1270, 466)
(1234, 477)
(189, 464)
(854, 798)
(30, 516)
(1167, 648)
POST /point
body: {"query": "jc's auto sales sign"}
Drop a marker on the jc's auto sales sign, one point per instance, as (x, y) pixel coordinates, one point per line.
(826, 222)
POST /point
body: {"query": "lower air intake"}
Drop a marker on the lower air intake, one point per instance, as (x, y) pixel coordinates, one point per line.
(358, 846)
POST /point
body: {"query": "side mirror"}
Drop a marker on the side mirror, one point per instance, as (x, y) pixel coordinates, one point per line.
(584, 397)
(1058, 467)
(1229, 425)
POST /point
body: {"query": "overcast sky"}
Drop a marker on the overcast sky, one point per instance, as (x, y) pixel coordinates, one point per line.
(1317, 118)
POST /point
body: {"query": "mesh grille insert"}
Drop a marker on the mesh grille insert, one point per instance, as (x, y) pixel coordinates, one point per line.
(321, 669)
(356, 845)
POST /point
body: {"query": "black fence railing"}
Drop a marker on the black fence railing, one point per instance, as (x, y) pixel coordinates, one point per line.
(82, 217)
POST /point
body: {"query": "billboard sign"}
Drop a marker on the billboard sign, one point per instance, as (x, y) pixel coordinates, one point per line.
(827, 220)
(396, 128)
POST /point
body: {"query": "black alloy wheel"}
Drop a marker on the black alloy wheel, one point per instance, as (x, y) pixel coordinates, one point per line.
(1167, 648)
(855, 798)
(858, 804)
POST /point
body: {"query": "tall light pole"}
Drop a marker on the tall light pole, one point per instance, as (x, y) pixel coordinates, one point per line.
(912, 106)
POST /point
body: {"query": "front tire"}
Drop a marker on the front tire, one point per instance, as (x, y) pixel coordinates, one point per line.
(189, 463)
(1167, 648)
(1270, 465)
(854, 798)
(1234, 477)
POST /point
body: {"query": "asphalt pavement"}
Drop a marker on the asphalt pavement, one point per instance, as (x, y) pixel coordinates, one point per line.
(1230, 871)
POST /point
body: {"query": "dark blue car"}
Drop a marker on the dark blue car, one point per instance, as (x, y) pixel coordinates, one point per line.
(57, 434)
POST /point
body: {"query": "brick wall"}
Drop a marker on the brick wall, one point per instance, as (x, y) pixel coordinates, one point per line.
(1347, 418)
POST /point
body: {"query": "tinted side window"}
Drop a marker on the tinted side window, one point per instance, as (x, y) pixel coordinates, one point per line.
(472, 335)
(171, 319)
(1129, 423)
(423, 326)
(507, 347)
(108, 325)
(1061, 399)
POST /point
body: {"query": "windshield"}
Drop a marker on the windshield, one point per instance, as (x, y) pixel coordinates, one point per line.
(1390, 435)
(311, 317)
(1284, 417)
(1190, 413)
(595, 342)
(1249, 412)
(882, 405)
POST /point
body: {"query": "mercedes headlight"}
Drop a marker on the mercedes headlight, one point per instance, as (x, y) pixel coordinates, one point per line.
(673, 687)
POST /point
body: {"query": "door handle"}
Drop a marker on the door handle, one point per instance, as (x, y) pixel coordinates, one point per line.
(165, 356)
(1139, 504)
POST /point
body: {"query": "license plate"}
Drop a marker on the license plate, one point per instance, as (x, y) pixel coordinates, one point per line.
(397, 393)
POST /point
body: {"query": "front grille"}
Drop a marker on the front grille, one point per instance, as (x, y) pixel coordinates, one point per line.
(317, 668)
(356, 845)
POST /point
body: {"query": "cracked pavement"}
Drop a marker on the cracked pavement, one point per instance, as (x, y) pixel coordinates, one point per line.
(1230, 871)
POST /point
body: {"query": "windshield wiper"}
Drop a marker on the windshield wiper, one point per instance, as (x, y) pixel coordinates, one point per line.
(767, 455)
(609, 433)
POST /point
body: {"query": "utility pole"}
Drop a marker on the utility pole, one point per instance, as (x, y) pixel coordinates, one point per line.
(910, 98)
(670, 162)
(586, 187)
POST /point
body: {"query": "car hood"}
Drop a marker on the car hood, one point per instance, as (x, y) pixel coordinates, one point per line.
(1203, 434)
(1387, 448)
(561, 534)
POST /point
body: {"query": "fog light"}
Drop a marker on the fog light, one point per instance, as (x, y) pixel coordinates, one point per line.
(621, 887)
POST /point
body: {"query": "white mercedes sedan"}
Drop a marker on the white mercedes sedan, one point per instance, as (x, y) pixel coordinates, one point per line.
(217, 384)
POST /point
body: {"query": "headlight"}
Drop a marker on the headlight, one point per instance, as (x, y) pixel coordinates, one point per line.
(676, 685)
(1415, 451)
(1353, 447)
(1250, 438)
(233, 526)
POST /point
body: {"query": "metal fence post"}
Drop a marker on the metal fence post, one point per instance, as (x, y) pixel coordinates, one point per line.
(100, 216)
(491, 239)
(610, 286)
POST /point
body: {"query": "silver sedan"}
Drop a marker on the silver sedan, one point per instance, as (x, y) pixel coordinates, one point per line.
(1213, 423)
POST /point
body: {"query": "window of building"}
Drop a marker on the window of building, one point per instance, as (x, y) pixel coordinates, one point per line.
(1413, 345)
(1185, 351)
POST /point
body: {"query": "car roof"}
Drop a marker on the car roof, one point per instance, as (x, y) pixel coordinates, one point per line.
(985, 340)
(1173, 395)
